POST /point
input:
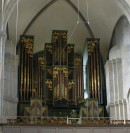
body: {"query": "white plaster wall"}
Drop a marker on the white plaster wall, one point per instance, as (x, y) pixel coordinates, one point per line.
(115, 52)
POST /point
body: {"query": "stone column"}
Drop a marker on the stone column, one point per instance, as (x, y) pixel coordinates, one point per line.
(2, 52)
(114, 87)
(11, 81)
(110, 82)
(5, 12)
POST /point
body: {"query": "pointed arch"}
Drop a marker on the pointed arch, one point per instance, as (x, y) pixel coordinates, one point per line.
(121, 27)
(49, 5)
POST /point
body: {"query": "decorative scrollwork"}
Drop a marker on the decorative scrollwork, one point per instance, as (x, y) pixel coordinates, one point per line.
(41, 60)
(49, 84)
(26, 40)
(49, 48)
(55, 71)
(91, 46)
(71, 84)
(70, 48)
(65, 71)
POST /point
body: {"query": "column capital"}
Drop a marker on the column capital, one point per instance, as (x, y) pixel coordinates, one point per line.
(2, 34)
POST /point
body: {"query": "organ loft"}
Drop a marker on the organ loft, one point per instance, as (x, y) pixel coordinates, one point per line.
(51, 80)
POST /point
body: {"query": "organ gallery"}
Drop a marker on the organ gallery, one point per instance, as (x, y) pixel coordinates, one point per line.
(51, 80)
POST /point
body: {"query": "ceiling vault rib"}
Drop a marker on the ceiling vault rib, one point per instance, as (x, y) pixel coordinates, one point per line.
(38, 14)
(81, 16)
(48, 5)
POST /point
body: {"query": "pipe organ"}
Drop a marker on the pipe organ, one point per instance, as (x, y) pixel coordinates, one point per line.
(49, 72)
(71, 75)
(94, 68)
(60, 66)
(79, 78)
(53, 75)
(26, 68)
(39, 74)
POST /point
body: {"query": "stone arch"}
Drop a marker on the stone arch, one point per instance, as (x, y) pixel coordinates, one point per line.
(120, 35)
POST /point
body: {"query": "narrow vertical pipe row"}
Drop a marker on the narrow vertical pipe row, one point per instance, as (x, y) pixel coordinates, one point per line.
(39, 80)
(31, 74)
(27, 73)
(21, 72)
(29, 77)
(24, 89)
(41, 84)
(100, 75)
(80, 80)
(96, 63)
(95, 82)
(98, 71)
(92, 73)
(90, 82)
(26, 62)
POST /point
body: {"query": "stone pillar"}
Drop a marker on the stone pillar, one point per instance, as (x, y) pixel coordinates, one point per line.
(112, 111)
(4, 15)
(121, 110)
(114, 86)
(2, 52)
(109, 82)
(11, 79)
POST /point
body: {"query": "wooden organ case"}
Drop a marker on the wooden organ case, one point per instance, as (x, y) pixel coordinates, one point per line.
(52, 77)
(95, 72)
(25, 72)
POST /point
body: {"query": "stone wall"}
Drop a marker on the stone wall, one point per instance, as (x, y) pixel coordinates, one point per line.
(62, 129)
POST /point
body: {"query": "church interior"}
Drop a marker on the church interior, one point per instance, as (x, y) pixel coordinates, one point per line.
(65, 63)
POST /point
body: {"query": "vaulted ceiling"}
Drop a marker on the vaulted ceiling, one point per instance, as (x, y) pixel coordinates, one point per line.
(40, 17)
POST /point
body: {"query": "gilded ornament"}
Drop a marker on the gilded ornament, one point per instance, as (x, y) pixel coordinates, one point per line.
(55, 71)
(49, 48)
(49, 84)
(70, 48)
(65, 72)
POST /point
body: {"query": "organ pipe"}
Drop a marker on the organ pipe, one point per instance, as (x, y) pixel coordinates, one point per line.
(26, 43)
(94, 68)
